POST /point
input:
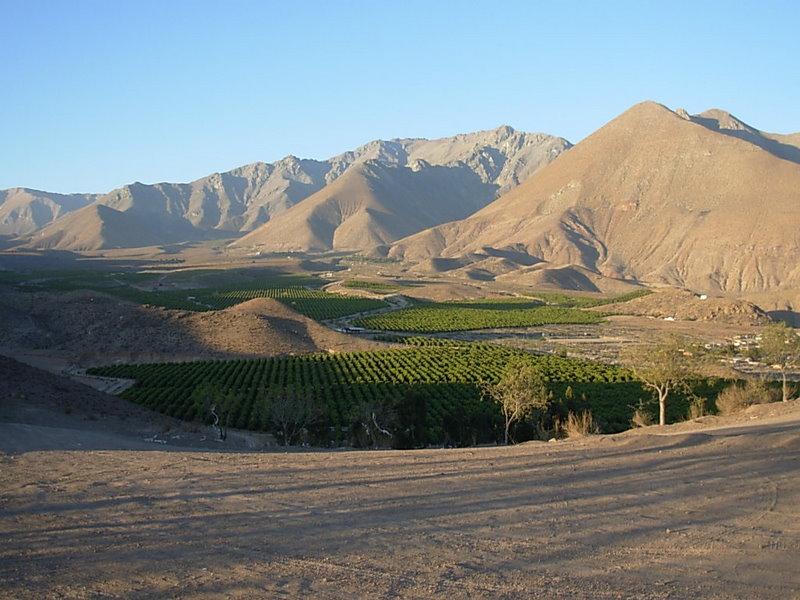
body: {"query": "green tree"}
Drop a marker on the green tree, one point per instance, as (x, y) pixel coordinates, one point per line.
(780, 346)
(521, 392)
(212, 400)
(371, 420)
(663, 365)
(290, 410)
(412, 420)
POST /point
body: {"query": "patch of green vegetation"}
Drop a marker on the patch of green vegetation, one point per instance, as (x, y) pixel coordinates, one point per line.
(377, 287)
(357, 258)
(436, 317)
(211, 289)
(315, 304)
(445, 376)
(561, 299)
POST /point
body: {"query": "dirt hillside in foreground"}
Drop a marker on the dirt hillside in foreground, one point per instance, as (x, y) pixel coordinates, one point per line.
(656, 514)
(92, 328)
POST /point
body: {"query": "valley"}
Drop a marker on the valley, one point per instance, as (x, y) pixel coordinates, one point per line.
(205, 305)
(275, 378)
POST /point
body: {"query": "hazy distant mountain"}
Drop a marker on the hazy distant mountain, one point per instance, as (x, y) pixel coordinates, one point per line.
(657, 196)
(243, 199)
(23, 210)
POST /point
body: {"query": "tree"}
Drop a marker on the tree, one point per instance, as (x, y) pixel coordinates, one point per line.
(521, 392)
(212, 400)
(780, 346)
(290, 410)
(373, 418)
(663, 365)
(412, 420)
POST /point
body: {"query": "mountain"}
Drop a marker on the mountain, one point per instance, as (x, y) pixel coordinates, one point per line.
(23, 210)
(372, 205)
(654, 196)
(427, 183)
(99, 226)
(241, 200)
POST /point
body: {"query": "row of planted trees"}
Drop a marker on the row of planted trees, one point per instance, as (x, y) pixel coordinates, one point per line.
(300, 415)
(521, 397)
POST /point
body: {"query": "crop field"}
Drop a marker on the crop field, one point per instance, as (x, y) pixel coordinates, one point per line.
(376, 287)
(562, 299)
(445, 374)
(437, 317)
(221, 290)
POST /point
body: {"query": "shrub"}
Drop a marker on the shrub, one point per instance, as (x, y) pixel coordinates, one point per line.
(580, 424)
(697, 407)
(641, 417)
(737, 397)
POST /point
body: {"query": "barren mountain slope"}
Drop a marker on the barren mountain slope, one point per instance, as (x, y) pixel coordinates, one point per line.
(242, 199)
(23, 210)
(373, 205)
(98, 226)
(91, 328)
(409, 186)
(652, 196)
(782, 146)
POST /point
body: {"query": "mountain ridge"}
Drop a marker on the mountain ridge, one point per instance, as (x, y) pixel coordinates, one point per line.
(240, 200)
(675, 206)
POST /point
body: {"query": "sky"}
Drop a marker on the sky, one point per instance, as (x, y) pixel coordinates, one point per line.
(96, 94)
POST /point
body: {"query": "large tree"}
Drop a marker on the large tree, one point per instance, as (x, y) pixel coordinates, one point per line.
(663, 365)
(521, 392)
(780, 346)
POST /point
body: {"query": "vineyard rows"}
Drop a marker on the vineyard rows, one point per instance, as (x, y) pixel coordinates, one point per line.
(434, 317)
(585, 301)
(446, 375)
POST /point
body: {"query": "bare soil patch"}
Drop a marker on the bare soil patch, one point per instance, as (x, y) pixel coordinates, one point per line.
(692, 514)
(686, 306)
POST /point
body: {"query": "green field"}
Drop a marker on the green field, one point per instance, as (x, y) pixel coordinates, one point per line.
(444, 373)
(376, 287)
(314, 304)
(562, 299)
(436, 317)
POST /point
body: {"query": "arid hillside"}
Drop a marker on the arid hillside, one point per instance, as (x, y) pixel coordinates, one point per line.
(481, 166)
(686, 306)
(654, 196)
(23, 211)
(87, 328)
(372, 206)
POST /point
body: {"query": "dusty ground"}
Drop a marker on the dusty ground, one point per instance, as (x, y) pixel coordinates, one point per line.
(683, 305)
(689, 511)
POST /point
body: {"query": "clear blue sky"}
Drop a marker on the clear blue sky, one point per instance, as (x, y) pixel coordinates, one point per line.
(100, 93)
